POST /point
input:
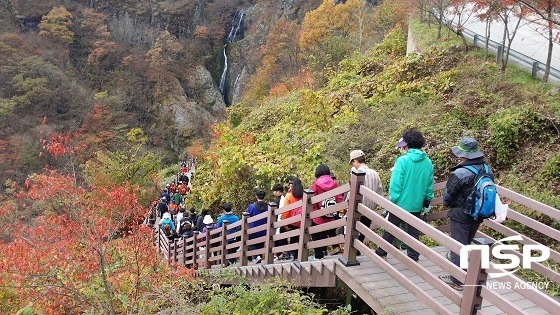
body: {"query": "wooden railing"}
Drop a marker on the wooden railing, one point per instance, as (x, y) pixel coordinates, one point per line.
(212, 249)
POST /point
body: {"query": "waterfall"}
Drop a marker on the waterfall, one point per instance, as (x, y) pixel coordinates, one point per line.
(234, 35)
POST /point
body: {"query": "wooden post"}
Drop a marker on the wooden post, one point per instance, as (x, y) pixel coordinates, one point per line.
(195, 249)
(305, 224)
(174, 250)
(184, 250)
(224, 243)
(168, 251)
(244, 237)
(476, 277)
(158, 245)
(269, 243)
(207, 248)
(352, 216)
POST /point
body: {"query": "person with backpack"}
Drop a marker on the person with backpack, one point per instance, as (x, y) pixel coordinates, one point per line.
(324, 183)
(458, 195)
(183, 189)
(411, 187)
(165, 195)
(178, 217)
(193, 217)
(185, 228)
(167, 226)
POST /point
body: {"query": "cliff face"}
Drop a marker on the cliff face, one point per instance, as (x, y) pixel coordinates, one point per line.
(195, 104)
(244, 54)
(200, 26)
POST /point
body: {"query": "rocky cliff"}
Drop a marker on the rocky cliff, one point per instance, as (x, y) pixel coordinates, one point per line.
(244, 54)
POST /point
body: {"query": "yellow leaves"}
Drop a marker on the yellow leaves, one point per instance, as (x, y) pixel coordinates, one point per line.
(330, 19)
(57, 24)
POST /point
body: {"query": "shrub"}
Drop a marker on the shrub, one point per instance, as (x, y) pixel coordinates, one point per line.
(550, 171)
(509, 128)
(268, 298)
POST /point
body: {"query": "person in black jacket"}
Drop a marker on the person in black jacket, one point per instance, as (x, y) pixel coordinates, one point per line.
(459, 186)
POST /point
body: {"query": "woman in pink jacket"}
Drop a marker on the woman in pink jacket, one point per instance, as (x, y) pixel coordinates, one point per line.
(323, 183)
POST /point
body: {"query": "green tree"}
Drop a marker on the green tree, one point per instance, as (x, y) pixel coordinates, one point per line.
(30, 86)
(135, 166)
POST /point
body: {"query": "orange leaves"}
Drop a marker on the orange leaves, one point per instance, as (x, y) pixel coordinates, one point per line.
(247, 138)
(279, 90)
(56, 144)
(56, 258)
(201, 32)
(304, 80)
(105, 53)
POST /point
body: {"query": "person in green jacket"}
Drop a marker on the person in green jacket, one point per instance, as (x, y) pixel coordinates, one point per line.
(411, 186)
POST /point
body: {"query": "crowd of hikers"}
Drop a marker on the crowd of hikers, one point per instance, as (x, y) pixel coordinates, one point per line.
(410, 188)
(175, 221)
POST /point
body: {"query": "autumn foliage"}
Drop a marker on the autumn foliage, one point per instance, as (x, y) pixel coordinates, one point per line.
(74, 246)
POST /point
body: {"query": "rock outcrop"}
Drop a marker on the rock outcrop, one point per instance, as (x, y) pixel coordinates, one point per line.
(194, 104)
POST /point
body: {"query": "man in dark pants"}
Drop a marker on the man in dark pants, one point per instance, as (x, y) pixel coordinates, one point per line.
(411, 187)
(458, 188)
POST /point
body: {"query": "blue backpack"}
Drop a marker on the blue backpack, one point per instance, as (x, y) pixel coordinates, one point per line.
(483, 197)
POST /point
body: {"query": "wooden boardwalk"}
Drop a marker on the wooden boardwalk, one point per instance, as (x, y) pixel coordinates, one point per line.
(375, 286)
(395, 285)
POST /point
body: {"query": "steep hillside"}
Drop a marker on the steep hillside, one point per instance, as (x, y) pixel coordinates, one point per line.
(368, 103)
(148, 65)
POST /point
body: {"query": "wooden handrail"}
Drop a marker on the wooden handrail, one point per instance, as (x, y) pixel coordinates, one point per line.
(216, 242)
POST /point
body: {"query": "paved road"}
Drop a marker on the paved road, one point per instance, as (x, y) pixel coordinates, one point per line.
(528, 39)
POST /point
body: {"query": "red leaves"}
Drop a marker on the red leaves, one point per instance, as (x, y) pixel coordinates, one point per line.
(61, 144)
(57, 258)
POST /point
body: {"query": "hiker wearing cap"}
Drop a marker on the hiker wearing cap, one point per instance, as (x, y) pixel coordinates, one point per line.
(209, 224)
(165, 194)
(411, 187)
(459, 186)
(402, 146)
(231, 218)
(162, 206)
(371, 181)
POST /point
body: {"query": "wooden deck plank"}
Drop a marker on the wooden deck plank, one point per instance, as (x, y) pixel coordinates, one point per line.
(379, 290)
(377, 285)
(535, 311)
